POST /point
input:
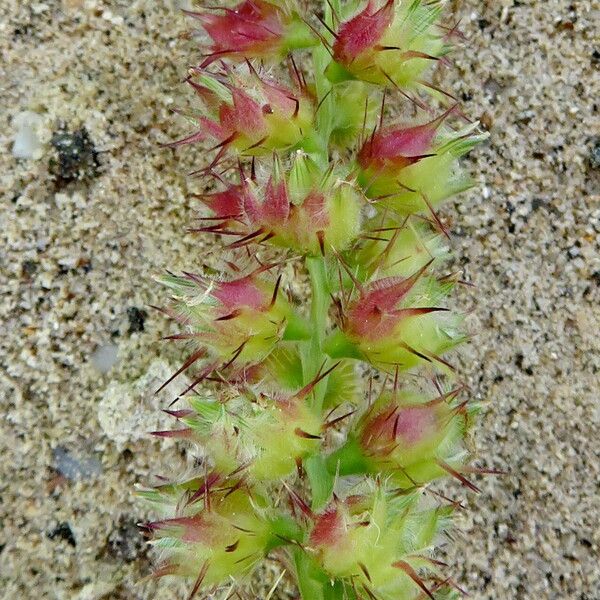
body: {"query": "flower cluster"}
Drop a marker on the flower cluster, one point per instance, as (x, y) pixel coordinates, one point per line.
(261, 29)
(247, 113)
(375, 539)
(305, 211)
(319, 428)
(390, 43)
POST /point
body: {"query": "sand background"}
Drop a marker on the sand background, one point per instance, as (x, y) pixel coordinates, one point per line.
(82, 235)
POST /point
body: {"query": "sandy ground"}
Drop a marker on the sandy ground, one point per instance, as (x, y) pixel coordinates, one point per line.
(82, 234)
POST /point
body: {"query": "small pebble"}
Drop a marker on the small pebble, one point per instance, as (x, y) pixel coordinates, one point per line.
(595, 155)
(126, 543)
(73, 467)
(28, 269)
(537, 203)
(76, 156)
(105, 357)
(63, 532)
(27, 143)
(136, 317)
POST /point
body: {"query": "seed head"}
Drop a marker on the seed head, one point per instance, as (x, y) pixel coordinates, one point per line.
(309, 182)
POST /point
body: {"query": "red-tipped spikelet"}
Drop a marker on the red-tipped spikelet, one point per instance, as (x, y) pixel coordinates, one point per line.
(247, 114)
(398, 322)
(411, 169)
(241, 319)
(310, 188)
(307, 211)
(377, 543)
(218, 531)
(253, 29)
(389, 42)
(410, 437)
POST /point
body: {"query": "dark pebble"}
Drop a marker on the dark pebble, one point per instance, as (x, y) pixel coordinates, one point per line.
(63, 532)
(595, 155)
(126, 543)
(137, 318)
(28, 269)
(537, 203)
(76, 157)
(127, 455)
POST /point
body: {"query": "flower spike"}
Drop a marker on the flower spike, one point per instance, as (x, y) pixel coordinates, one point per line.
(312, 192)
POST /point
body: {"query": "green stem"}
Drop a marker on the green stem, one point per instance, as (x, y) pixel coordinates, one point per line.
(320, 297)
(313, 354)
(313, 582)
(324, 87)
